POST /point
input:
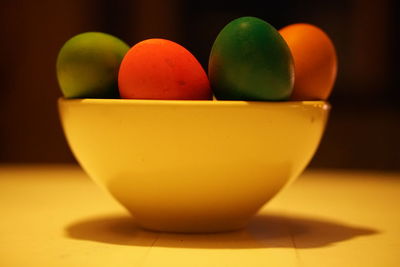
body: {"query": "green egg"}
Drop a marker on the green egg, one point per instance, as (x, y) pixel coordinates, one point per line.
(88, 65)
(250, 60)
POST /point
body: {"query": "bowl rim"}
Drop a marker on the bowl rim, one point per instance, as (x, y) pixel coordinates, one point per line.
(151, 102)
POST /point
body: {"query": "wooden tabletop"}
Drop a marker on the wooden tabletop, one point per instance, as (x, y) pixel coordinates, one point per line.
(56, 216)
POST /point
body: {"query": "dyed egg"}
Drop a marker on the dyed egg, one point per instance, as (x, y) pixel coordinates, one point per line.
(87, 65)
(249, 60)
(162, 69)
(315, 61)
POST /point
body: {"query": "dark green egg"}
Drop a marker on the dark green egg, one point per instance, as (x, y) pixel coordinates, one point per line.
(88, 65)
(250, 60)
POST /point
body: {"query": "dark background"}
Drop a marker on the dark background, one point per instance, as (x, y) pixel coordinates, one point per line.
(364, 126)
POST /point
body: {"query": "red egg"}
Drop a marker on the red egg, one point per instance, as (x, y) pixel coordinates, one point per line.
(162, 69)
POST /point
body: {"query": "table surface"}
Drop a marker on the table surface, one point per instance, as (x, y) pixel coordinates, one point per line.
(56, 216)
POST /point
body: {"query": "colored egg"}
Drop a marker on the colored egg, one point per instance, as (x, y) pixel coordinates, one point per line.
(314, 59)
(249, 60)
(162, 69)
(88, 64)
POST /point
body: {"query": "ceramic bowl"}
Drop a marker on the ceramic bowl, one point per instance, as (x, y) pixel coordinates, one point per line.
(192, 166)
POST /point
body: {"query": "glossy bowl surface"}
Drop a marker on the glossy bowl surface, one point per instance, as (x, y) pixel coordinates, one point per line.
(192, 166)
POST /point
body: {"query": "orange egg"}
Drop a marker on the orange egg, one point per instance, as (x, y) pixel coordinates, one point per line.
(315, 61)
(162, 69)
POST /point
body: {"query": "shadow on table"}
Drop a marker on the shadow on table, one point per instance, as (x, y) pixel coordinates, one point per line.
(264, 231)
